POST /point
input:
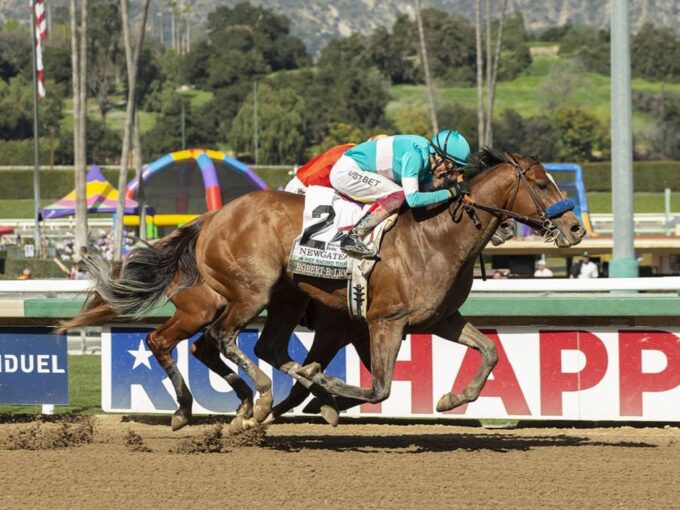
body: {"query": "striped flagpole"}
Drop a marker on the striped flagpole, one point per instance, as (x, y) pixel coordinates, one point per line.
(39, 32)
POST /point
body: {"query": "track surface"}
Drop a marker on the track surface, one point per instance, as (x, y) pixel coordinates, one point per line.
(352, 466)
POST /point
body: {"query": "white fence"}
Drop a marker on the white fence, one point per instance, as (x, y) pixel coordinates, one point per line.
(667, 283)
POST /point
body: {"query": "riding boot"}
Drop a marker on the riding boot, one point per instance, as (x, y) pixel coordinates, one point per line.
(354, 245)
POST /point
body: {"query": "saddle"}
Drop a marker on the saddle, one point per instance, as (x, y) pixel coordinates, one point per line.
(316, 251)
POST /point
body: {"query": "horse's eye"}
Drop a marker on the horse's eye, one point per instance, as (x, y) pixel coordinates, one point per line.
(543, 185)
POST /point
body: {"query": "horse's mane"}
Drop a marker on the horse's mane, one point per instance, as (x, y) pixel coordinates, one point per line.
(486, 158)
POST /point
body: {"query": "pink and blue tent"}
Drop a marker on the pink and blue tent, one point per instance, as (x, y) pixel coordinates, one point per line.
(102, 197)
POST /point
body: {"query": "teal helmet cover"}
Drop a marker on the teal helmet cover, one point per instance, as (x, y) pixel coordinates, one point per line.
(451, 145)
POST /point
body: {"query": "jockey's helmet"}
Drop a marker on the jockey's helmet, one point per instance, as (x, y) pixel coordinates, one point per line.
(451, 145)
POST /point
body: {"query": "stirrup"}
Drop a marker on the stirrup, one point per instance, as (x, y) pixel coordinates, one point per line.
(352, 245)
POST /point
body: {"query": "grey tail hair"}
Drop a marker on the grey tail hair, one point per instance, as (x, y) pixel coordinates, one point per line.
(147, 272)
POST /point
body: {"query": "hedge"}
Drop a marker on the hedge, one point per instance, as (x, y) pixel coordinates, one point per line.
(20, 152)
(650, 176)
(41, 268)
(16, 184)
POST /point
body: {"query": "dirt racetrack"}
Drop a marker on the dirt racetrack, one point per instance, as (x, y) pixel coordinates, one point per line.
(104, 462)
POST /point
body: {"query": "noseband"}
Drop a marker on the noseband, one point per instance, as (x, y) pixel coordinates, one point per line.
(543, 223)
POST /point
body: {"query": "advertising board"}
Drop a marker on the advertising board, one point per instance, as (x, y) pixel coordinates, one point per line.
(565, 373)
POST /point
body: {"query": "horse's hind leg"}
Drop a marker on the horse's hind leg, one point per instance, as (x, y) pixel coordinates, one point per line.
(161, 342)
(225, 331)
(457, 329)
(208, 354)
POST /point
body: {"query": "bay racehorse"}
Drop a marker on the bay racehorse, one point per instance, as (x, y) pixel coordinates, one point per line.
(422, 279)
(197, 307)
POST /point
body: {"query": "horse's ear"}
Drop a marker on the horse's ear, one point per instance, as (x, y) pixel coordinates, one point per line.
(511, 157)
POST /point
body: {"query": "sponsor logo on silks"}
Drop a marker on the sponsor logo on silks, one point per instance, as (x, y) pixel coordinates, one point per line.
(133, 381)
(33, 367)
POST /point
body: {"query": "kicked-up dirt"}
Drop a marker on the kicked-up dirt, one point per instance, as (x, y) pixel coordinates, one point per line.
(106, 462)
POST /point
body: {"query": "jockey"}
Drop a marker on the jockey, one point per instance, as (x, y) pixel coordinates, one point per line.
(394, 169)
(316, 172)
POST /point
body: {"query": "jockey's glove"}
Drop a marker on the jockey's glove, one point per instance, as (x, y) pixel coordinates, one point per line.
(457, 189)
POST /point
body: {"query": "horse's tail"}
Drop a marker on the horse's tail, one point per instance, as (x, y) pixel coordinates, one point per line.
(146, 274)
(95, 311)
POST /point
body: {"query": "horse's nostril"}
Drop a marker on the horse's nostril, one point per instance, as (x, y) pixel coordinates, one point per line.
(576, 228)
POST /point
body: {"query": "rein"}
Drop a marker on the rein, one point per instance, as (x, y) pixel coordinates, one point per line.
(544, 221)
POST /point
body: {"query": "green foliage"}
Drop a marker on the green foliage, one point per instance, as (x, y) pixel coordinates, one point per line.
(15, 52)
(589, 46)
(338, 134)
(555, 34)
(104, 53)
(20, 152)
(102, 144)
(39, 267)
(245, 42)
(648, 176)
(580, 134)
(655, 53)
(18, 184)
(515, 54)
(281, 125)
(166, 134)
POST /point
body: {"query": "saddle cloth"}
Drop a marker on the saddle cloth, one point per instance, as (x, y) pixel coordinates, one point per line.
(314, 253)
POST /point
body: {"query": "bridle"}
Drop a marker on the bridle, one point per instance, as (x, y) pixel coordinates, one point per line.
(543, 223)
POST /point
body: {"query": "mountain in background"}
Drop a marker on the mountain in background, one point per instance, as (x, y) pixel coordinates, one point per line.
(318, 21)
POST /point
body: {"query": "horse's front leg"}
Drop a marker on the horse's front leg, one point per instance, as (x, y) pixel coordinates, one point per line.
(458, 329)
(208, 354)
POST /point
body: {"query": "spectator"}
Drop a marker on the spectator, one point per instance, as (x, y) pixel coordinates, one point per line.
(26, 274)
(586, 268)
(76, 272)
(542, 271)
(499, 275)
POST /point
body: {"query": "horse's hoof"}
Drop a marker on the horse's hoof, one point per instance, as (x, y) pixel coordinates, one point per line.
(314, 407)
(449, 401)
(263, 406)
(268, 420)
(330, 414)
(240, 424)
(236, 425)
(179, 420)
(245, 410)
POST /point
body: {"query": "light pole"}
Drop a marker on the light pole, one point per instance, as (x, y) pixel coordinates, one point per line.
(623, 263)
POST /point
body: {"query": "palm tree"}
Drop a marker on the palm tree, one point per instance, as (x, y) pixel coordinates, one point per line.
(132, 61)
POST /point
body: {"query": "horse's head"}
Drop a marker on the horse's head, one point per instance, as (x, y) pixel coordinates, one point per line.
(538, 202)
(519, 188)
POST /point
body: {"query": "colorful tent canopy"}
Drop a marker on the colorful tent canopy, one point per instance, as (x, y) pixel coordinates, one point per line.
(101, 198)
(171, 183)
(6, 230)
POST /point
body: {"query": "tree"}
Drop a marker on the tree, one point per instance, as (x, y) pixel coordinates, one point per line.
(78, 79)
(15, 51)
(103, 52)
(281, 126)
(132, 61)
(580, 133)
(655, 53)
(166, 134)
